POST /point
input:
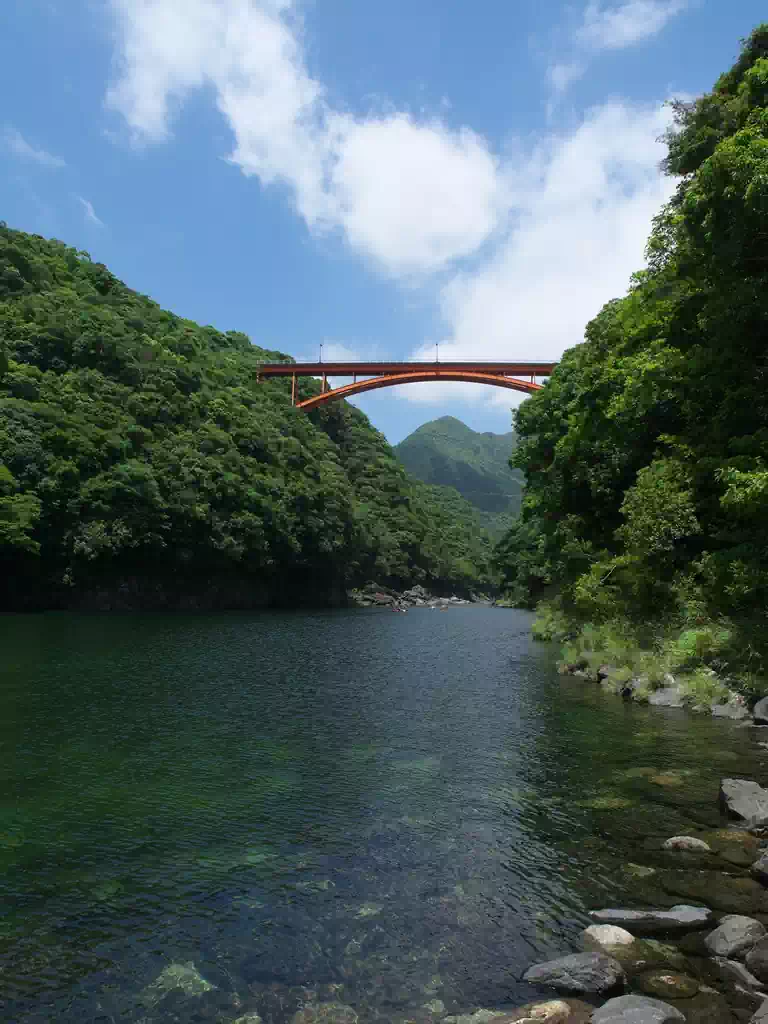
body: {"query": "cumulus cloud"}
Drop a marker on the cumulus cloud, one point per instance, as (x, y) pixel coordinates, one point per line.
(18, 145)
(411, 195)
(580, 221)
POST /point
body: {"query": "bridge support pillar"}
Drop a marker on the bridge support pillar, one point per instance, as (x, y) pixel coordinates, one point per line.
(325, 384)
(293, 389)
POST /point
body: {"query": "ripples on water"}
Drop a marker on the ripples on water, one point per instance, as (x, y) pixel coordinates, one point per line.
(376, 809)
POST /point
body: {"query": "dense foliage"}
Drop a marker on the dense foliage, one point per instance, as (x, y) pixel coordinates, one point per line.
(449, 453)
(133, 441)
(646, 455)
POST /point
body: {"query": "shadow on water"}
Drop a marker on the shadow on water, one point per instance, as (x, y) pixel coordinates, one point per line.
(351, 806)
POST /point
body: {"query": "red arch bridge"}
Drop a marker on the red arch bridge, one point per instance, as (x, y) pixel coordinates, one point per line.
(369, 376)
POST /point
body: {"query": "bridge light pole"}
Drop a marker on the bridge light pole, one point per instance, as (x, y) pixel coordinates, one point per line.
(437, 351)
(321, 351)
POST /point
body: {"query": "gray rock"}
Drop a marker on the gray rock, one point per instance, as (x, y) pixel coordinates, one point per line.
(760, 868)
(578, 973)
(667, 697)
(636, 1010)
(182, 976)
(734, 936)
(744, 799)
(760, 711)
(757, 959)
(681, 918)
(735, 711)
(761, 1015)
(688, 843)
(600, 938)
(734, 973)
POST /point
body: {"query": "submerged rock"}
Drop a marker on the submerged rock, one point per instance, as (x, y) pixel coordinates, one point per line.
(687, 843)
(681, 918)
(554, 1011)
(723, 892)
(734, 936)
(185, 977)
(667, 697)
(325, 1013)
(580, 973)
(746, 800)
(667, 985)
(735, 846)
(761, 1015)
(636, 1010)
(760, 711)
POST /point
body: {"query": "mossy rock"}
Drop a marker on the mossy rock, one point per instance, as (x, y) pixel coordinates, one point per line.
(643, 955)
(708, 1007)
(716, 890)
(732, 845)
(667, 985)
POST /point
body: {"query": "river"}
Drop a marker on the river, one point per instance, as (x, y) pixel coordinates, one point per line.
(353, 806)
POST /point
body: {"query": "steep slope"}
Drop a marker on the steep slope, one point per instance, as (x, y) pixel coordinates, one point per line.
(448, 453)
(141, 464)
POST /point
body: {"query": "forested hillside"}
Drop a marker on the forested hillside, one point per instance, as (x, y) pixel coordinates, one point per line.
(448, 453)
(646, 454)
(141, 462)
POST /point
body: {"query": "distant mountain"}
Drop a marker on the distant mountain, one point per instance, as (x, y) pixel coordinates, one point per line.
(448, 453)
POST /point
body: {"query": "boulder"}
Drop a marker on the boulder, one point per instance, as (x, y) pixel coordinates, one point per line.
(681, 918)
(579, 973)
(667, 985)
(553, 1011)
(757, 959)
(735, 974)
(734, 936)
(735, 846)
(689, 844)
(601, 938)
(760, 711)
(745, 800)
(761, 1015)
(636, 1010)
(759, 869)
(667, 697)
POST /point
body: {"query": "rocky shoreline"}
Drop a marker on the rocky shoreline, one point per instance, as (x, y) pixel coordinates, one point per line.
(689, 963)
(375, 595)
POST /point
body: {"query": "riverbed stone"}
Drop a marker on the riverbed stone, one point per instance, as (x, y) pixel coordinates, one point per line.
(680, 918)
(734, 936)
(761, 1015)
(578, 973)
(746, 800)
(602, 938)
(688, 844)
(551, 1011)
(759, 869)
(760, 711)
(325, 1013)
(667, 985)
(182, 976)
(757, 959)
(728, 893)
(735, 711)
(734, 974)
(637, 1010)
(736, 846)
(644, 955)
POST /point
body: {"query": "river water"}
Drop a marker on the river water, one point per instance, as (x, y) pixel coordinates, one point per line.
(352, 806)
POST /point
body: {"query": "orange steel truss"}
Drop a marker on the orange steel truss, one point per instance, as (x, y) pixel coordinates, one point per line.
(386, 375)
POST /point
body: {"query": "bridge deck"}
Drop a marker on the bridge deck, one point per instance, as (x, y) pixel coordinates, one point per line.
(349, 369)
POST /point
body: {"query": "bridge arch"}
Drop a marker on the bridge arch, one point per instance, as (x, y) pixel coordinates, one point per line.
(416, 377)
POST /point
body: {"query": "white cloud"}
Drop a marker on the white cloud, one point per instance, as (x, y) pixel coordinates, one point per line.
(583, 210)
(18, 145)
(610, 26)
(90, 213)
(620, 25)
(412, 195)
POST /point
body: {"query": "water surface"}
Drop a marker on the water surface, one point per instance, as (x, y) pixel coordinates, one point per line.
(378, 809)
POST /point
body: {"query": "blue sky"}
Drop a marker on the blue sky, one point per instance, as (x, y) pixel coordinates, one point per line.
(375, 177)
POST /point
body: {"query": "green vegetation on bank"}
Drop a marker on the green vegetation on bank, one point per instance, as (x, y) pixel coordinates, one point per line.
(448, 453)
(135, 443)
(646, 455)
